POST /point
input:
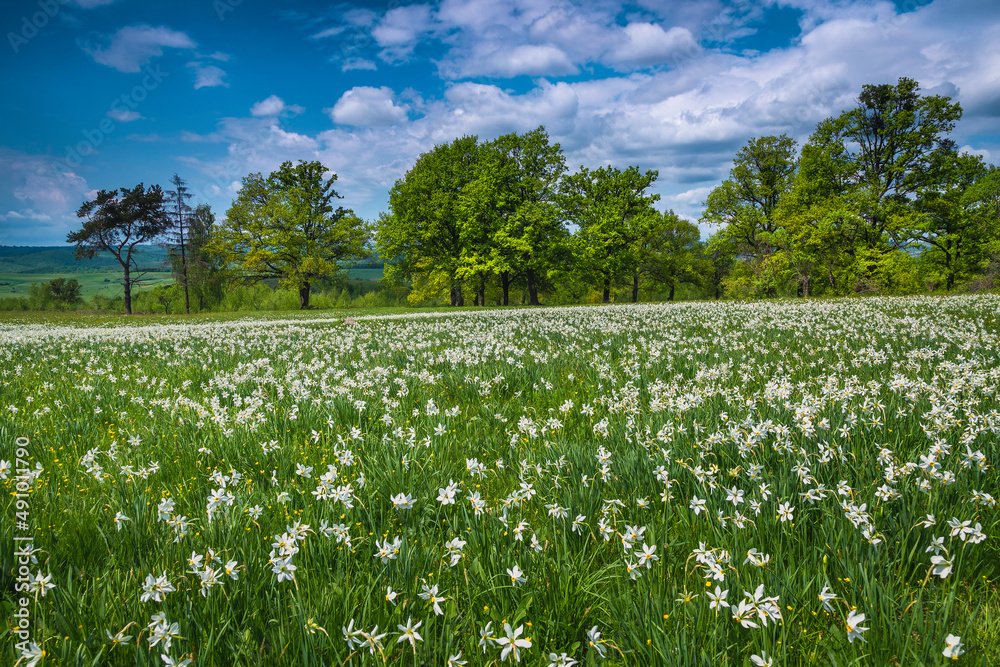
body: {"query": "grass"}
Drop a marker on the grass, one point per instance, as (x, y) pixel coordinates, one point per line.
(578, 444)
(106, 283)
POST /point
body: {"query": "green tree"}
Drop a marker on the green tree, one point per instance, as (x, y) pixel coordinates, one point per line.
(66, 291)
(118, 221)
(423, 237)
(955, 233)
(206, 272)
(512, 224)
(880, 156)
(286, 227)
(673, 255)
(613, 212)
(745, 204)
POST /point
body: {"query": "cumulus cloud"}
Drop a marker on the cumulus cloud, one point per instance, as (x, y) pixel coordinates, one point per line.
(646, 44)
(134, 46)
(41, 197)
(274, 106)
(399, 30)
(364, 106)
(207, 76)
(670, 103)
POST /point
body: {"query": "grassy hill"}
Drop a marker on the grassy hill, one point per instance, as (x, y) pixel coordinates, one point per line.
(20, 266)
(60, 259)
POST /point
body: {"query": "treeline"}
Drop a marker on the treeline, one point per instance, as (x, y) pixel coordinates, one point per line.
(879, 199)
(501, 218)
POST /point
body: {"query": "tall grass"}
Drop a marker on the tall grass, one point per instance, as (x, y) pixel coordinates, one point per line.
(588, 434)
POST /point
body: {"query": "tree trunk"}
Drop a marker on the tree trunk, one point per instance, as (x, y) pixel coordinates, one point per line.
(482, 290)
(456, 293)
(127, 284)
(532, 287)
(805, 288)
(505, 285)
(635, 288)
(606, 298)
(184, 272)
(304, 297)
(670, 297)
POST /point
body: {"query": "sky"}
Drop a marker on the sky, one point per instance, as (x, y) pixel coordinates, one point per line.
(103, 94)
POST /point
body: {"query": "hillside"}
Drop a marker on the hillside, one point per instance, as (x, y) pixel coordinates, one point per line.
(60, 259)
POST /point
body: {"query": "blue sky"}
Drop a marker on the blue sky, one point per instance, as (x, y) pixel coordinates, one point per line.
(100, 94)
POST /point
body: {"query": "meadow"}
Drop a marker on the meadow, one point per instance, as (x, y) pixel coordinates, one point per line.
(779, 483)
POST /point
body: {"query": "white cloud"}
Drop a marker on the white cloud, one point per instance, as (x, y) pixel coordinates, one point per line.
(364, 106)
(687, 119)
(134, 46)
(41, 197)
(124, 115)
(530, 59)
(274, 106)
(207, 76)
(358, 63)
(646, 44)
(398, 31)
(25, 214)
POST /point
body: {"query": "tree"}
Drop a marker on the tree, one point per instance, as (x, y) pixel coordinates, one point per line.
(206, 272)
(952, 227)
(118, 223)
(512, 224)
(423, 237)
(612, 209)
(745, 204)
(674, 254)
(66, 291)
(180, 212)
(285, 227)
(882, 153)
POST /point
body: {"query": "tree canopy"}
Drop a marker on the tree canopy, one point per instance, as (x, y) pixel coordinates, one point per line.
(285, 227)
(118, 221)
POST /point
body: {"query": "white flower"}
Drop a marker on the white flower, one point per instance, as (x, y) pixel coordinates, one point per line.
(32, 654)
(594, 641)
(941, 566)
(511, 643)
(854, 628)
(516, 575)
(431, 595)
(718, 599)
(762, 660)
(402, 501)
(560, 660)
(120, 519)
(953, 647)
(410, 633)
(825, 596)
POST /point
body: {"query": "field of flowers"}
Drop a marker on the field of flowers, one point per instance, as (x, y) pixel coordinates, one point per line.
(685, 484)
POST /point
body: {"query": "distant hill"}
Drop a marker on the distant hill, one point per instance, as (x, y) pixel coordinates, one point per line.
(60, 259)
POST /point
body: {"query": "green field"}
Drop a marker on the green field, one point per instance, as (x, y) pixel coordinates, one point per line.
(780, 483)
(22, 266)
(107, 283)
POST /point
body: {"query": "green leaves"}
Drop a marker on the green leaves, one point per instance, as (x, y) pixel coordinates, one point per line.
(286, 227)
